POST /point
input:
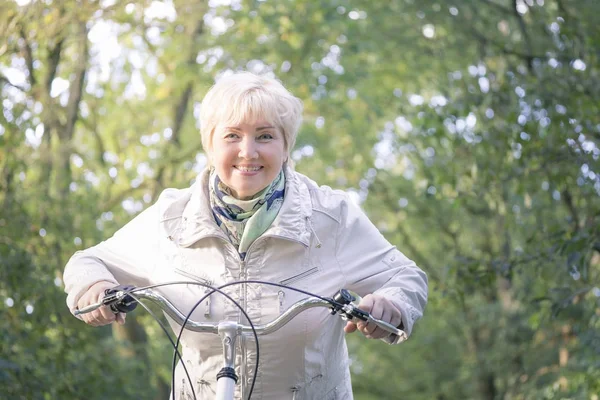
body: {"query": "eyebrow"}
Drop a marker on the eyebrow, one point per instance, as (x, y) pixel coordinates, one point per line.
(260, 128)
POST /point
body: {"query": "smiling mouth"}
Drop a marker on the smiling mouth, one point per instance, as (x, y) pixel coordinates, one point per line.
(247, 169)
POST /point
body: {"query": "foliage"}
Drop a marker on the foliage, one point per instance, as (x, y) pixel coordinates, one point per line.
(467, 131)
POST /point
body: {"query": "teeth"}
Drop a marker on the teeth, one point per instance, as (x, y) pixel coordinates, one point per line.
(247, 169)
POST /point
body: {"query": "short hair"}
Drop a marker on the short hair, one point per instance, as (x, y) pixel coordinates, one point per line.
(244, 96)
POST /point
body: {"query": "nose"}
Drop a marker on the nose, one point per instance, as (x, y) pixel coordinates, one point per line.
(248, 149)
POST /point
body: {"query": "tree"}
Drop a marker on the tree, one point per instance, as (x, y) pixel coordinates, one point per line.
(468, 132)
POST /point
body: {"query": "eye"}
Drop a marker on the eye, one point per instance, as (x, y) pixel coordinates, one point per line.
(265, 136)
(231, 135)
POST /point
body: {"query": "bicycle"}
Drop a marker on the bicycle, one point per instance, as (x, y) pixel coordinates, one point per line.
(344, 303)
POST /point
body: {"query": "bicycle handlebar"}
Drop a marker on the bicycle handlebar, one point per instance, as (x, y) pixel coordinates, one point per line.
(124, 299)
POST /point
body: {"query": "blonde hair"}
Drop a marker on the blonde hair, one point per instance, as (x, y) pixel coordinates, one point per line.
(245, 96)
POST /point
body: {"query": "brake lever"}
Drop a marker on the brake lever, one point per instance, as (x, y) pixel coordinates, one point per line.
(117, 299)
(87, 309)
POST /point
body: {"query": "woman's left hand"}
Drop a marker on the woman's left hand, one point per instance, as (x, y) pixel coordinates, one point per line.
(379, 307)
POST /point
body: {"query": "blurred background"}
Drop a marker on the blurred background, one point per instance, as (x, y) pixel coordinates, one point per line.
(468, 130)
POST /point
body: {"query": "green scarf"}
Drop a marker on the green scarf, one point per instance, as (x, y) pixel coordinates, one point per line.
(243, 221)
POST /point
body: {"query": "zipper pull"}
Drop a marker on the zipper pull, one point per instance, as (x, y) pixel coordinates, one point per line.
(281, 297)
(318, 246)
(207, 304)
(243, 275)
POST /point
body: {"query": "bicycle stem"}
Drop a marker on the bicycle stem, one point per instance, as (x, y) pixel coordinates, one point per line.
(227, 377)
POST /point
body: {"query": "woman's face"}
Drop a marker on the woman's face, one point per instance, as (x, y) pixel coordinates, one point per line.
(248, 157)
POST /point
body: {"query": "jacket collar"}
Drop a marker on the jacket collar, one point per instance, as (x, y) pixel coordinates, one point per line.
(189, 218)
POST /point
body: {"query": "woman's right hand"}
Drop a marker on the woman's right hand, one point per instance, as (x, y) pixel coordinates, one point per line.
(102, 315)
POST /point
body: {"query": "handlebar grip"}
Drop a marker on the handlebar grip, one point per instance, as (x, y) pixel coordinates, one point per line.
(116, 304)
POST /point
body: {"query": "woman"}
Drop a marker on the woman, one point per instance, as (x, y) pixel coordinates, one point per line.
(250, 216)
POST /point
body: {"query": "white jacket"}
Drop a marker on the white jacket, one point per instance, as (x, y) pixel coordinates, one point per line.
(320, 242)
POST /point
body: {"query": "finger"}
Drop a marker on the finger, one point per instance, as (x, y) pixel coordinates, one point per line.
(106, 314)
(89, 319)
(361, 325)
(377, 310)
(83, 302)
(100, 317)
(369, 328)
(369, 303)
(92, 319)
(396, 319)
(366, 304)
(97, 318)
(121, 318)
(350, 327)
(378, 332)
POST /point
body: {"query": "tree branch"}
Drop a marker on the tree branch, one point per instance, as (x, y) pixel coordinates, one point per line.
(76, 87)
(499, 7)
(118, 198)
(523, 27)
(181, 107)
(153, 51)
(53, 60)
(529, 58)
(9, 83)
(179, 113)
(28, 56)
(568, 199)
(93, 127)
(568, 17)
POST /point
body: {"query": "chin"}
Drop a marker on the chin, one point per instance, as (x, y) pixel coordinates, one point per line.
(245, 193)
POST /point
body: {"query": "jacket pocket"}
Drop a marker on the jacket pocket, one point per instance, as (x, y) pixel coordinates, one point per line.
(298, 277)
(206, 303)
(192, 276)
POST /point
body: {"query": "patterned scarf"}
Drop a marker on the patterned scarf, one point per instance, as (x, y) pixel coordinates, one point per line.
(243, 221)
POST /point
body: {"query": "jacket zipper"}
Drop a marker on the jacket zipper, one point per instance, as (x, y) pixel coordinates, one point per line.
(243, 294)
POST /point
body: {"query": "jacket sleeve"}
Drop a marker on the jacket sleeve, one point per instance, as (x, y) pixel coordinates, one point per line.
(128, 257)
(371, 264)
